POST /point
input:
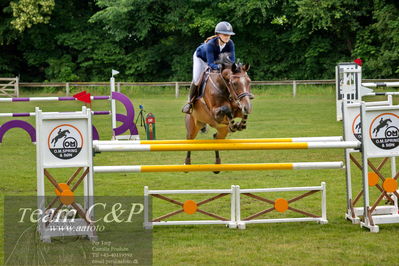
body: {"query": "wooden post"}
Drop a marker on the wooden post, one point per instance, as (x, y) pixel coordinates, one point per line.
(294, 88)
(118, 87)
(67, 88)
(177, 90)
(16, 86)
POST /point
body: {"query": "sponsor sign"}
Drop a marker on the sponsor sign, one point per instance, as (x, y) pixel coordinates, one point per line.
(65, 141)
(381, 131)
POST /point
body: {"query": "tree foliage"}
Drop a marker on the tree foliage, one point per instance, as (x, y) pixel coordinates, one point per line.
(151, 40)
(29, 12)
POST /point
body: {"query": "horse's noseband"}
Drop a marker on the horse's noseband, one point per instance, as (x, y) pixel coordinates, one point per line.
(242, 95)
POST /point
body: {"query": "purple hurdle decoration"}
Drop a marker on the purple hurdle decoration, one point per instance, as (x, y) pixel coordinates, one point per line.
(126, 120)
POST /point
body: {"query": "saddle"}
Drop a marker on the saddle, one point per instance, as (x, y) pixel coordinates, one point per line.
(201, 84)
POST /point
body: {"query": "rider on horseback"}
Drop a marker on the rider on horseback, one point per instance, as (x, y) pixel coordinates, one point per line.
(205, 56)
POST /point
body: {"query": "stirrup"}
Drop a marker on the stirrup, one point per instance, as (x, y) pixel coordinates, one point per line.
(188, 108)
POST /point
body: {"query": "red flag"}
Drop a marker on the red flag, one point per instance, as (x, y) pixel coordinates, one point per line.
(77, 95)
(83, 97)
(358, 61)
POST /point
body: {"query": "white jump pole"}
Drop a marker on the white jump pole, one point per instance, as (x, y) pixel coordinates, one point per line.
(203, 141)
(217, 167)
(224, 146)
(380, 84)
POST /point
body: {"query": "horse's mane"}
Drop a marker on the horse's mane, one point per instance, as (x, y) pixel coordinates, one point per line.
(224, 59)
(227, 63)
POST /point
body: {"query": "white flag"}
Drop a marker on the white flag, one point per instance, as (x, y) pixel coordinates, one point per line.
(114, 72)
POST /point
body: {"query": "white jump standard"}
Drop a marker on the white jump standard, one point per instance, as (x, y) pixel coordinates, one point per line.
(350, 89)
(60, 144)
(380, 139)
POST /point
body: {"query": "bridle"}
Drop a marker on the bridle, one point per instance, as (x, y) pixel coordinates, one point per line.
(233, 97)
(232, 89)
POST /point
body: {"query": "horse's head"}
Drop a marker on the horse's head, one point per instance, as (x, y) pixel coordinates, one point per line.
(239, 86)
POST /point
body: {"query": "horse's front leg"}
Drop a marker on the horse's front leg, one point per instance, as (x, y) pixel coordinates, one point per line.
(187, 161)
(242, 124)
(220, 113)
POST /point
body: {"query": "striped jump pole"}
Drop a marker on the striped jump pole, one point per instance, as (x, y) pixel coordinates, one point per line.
(34, 114)
(217, 167)
(118, 132)
(381, 84)
(225, 146)
(50, 99)
(204, 141)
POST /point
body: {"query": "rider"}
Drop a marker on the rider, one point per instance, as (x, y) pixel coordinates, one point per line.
(206, 55)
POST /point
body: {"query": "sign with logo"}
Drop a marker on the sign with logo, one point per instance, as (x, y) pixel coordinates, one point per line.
(64, 142)
(381, 131)
(352, 122)
(357, 127)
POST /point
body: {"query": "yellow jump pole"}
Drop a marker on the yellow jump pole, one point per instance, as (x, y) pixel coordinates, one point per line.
(217, 167)
(225, 146)
(204, 141)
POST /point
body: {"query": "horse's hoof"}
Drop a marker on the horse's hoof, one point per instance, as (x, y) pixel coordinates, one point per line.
(241, 128)
(217, 161)
(187, 162)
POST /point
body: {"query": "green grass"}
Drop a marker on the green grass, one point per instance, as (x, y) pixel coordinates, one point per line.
(276, 114)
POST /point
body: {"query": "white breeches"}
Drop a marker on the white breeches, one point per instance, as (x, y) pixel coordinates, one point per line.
(199, 66)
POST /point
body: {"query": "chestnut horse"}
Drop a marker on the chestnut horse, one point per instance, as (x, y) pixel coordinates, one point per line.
(226, 96)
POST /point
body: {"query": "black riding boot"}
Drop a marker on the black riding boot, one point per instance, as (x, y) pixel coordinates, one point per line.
(188, 108)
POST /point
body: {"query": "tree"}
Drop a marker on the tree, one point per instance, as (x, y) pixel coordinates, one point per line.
(29, 12)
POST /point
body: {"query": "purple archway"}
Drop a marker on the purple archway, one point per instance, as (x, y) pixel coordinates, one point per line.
(128, 119)
(95, 134)
(18, 124)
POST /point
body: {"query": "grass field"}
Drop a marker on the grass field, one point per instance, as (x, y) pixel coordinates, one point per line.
(275, 114)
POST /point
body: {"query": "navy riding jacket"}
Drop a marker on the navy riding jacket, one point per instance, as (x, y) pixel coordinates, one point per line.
(210, 51)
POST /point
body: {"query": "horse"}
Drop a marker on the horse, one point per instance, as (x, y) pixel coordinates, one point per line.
(60, 134)
(226, 96)
(383, 123)
(358, 127)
